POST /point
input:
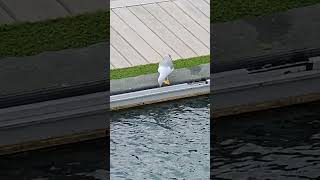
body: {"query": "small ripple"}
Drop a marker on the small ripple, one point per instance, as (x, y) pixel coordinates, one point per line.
(167, 141)
(264, 146)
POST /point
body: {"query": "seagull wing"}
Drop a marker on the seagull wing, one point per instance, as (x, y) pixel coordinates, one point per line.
(166, 62)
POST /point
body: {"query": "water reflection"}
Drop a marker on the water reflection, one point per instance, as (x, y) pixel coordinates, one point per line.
(79, 161)
(162, 141)
(275, 144)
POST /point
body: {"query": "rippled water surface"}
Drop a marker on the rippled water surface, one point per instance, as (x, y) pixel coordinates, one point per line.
(80, 161)
(161, 141)
(171, 141)
(275, 144)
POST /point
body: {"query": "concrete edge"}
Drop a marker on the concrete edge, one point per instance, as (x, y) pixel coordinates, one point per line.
(248, 108)
(143, 82)
(157, 95)
(51, 142)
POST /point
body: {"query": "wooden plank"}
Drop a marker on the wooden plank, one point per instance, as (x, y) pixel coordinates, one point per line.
(187, 22)
(164, 33)
(194, 13)
(116, 4)
(202, 6)
(177, 29)
(117, 60)
(207, 1)
(126, 49)
(143, 31)
(136, 41)
(127, 3)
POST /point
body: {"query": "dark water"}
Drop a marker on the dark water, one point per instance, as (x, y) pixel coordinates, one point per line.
(274, 144)
(162, 141)
(171, 140)
(81, 161)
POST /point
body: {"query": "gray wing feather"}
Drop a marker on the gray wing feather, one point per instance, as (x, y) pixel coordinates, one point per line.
(167, 61)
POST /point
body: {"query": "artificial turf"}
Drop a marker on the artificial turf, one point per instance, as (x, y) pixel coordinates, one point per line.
(30, 38)
(228, 10)
(152, 68)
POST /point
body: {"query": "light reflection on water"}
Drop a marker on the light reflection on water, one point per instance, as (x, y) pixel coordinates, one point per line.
(274, 144)
(161, 141)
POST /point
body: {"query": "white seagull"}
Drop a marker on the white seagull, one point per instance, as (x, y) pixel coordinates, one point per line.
(165, 68)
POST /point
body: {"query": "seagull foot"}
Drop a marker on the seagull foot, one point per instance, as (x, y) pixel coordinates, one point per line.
(166, 82)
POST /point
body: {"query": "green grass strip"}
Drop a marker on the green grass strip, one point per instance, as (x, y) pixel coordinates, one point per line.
(227, 10)
(27, 38)
(153, 68)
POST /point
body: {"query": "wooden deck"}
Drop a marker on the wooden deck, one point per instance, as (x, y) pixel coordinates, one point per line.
(143, 31)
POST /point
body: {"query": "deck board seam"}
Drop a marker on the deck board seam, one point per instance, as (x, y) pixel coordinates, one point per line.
(172, 32)
(121, 55)
(206, 2)
(199, 8)
(125, 6)
(118, 59)
(144, 58)
(192, 2)
(184, 27)
(137, 34)
(155, 33)
(191, 17)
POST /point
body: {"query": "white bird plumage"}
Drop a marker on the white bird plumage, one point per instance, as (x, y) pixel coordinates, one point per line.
(165, 68)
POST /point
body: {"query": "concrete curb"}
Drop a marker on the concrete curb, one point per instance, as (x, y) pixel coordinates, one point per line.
(157, 95)
(195, 73)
